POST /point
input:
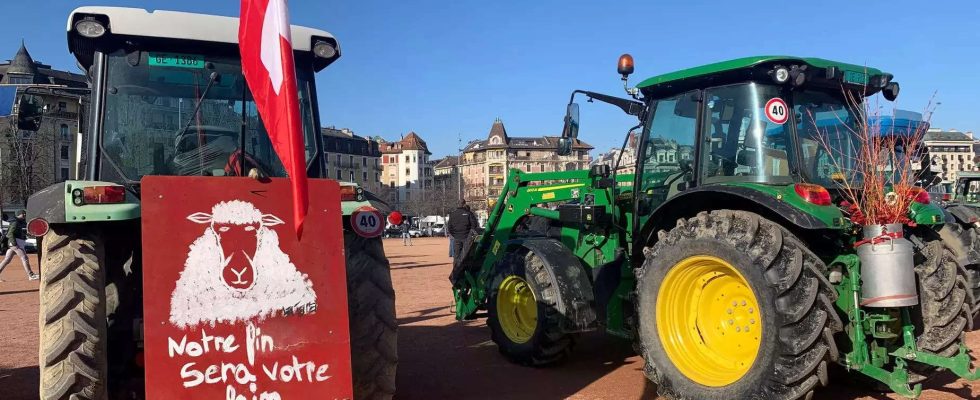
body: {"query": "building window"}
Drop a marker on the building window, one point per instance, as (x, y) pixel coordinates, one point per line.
(364, 162)
(64, 152)
(338, 163)
(351, 159)
(406, 158)
(540, 167)
(64, 174)
(340, 174)
(62, 106)
(408, 185)
(64, 131)
(408, 172)
(364, 176)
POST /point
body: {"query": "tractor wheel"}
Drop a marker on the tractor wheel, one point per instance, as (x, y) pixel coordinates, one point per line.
(964, 242)
(522, 312)
(944, 310)
(72, 354)
(734, 306)
(371, 308)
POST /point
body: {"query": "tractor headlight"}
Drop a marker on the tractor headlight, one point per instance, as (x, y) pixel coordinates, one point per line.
(780, 75)
(90, 28)
(324, 50)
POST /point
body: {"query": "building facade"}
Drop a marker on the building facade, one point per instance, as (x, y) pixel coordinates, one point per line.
(33, 160)
(485, 163)
(626, 157)
(352, 158)
(951, 151)
(406, 171)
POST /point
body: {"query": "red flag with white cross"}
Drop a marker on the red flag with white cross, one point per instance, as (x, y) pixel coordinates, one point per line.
(264, 39)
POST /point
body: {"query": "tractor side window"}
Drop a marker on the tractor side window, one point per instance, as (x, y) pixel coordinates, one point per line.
(670, 138)
(747, 134)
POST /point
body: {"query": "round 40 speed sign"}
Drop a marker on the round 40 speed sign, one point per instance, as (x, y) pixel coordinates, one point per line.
(776, 111)
(367, 222)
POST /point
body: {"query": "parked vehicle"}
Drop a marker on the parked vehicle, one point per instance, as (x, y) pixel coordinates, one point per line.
(92, 304)
(731, 267)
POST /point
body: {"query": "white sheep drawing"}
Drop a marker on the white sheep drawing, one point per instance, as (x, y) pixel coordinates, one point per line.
(236, 271)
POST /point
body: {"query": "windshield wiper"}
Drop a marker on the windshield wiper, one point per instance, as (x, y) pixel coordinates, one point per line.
(215, 77)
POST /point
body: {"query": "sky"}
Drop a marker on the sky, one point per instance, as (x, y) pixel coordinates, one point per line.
(448, 69)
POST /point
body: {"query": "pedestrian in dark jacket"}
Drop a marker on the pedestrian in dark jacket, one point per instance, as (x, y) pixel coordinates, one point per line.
(462, 221)
(406, 233)
(17, 240)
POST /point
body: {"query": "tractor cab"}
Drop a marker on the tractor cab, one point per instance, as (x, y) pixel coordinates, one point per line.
(967, 188)
(175, 102)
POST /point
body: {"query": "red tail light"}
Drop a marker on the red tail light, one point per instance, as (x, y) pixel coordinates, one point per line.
(919, 195)
(99, 195)
(813, 194)
(37, 227)
(351, 193)
(947, 196)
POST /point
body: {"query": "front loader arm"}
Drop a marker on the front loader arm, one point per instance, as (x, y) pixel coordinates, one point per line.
(520, 197)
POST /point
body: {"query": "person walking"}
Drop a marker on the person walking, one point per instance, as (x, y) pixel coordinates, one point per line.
(461, 222)
(17, 240)
(406, 233)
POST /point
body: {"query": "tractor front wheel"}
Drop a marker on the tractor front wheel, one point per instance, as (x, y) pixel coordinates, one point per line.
(371, 309)
(72, 354)
(733, 306)
(522, 311)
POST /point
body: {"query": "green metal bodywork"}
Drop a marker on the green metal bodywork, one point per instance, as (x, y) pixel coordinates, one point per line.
(829, 215)
(926, 214)
(749, 62)
(99, 212)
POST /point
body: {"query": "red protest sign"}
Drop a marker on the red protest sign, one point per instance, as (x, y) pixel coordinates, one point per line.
(235, 307)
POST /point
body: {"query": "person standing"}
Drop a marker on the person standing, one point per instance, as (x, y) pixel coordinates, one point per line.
(406, 233)
(17, 240)
(461, 222)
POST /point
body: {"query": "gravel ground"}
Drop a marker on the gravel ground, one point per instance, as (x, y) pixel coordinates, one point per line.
(439, 357)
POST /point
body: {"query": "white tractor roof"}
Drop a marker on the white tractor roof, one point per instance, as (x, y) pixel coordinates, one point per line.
(184, 25)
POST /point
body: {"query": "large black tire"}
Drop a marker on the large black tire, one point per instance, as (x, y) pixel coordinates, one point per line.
(963, 239)
(72, 354)
(371, 308)
(548, 344)
(794, 297)
(944, 312)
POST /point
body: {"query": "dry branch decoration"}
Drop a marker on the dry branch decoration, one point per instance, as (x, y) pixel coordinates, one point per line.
(875, 174)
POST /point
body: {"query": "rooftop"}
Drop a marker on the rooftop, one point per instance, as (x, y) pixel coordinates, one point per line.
(498, 131)
(412, 141)
(23, 69)
(952, 135)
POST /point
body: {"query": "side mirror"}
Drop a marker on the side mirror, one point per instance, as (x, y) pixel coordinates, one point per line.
(890, 92)
(571, 122)
(28, 114)
(564, 146)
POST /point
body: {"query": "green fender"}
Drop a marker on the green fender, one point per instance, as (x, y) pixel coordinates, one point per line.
(54, 204)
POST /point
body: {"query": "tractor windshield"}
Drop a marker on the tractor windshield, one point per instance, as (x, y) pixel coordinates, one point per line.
(745, 125)
(828, 130)
(151, 127)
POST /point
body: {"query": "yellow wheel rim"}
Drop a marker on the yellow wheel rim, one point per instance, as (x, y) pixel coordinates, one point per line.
(517, 309)
(708, 320)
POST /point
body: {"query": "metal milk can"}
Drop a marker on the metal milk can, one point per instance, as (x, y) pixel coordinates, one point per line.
(887, 268)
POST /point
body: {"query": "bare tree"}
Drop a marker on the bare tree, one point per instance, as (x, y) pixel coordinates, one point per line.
(26, 163)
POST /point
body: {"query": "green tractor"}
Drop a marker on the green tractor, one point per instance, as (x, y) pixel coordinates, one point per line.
(155, 78)
(724, 258)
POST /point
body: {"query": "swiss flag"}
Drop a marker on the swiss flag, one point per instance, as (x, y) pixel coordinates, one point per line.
(267, 62)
